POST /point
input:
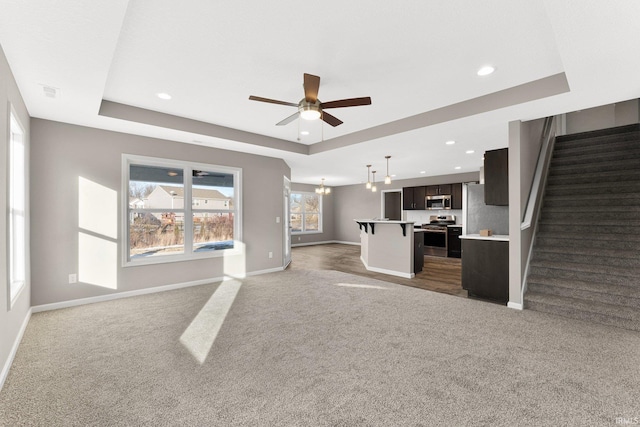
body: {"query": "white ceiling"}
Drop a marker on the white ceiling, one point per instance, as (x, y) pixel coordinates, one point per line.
(414, 59)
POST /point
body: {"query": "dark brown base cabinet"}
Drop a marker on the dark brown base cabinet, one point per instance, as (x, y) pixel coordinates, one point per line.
(454, 244)
(485, 269)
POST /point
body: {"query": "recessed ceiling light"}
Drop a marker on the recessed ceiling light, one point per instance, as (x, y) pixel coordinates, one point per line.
(423, 171)
(470, 151)
(163, 95)
(486, 70)
(304, 132)
(450, 142)
(458, 167)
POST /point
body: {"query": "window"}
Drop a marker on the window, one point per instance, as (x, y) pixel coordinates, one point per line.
(306, 213)
(17, 210)
(161, 227)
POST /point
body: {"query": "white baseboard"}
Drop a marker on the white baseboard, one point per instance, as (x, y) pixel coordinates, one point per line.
(389, 272)
(515, 305)
(14, 348)
(326, 242)
(137, 292)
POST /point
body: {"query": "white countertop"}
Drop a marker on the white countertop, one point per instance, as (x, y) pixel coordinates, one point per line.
(382, 221)
(496, 237)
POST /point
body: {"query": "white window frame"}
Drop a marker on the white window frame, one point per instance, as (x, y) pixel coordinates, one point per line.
(16, 135)
(320, 214)
(187, 167)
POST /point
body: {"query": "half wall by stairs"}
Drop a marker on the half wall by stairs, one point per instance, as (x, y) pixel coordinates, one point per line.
(586, 257)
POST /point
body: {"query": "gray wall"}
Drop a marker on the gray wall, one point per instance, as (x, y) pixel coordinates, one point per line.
(603, 117)
(328, 223)
(356, 202)
(61, 153)
(10, 320)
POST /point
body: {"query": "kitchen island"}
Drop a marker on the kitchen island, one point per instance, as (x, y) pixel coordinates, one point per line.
(387, 246)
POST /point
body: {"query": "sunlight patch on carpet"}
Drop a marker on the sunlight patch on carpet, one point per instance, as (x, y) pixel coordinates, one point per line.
(353, 285)
(199, 337)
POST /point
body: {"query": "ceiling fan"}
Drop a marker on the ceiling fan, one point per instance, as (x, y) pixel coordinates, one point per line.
(310, 107)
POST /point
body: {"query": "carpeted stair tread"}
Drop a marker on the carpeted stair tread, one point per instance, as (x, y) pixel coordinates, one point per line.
(602, 296)
(589, 256)
(585, 214)
(628, 276)
(593, 167)
(594, 252)
(544, 269)
(598, 211)
(588, 229)
(616, 132)
(598, 239)
(632, 292)
(605, 156)
(569, 189)
(623, 200)
(569, 242)
(561, 150)
(606, 314)
(616, 177)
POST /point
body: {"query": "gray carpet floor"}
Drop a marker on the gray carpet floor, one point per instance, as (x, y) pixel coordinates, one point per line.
(317, 348)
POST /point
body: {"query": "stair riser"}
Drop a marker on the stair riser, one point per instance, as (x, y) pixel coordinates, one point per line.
(591, 188)
(621, 279)
(595, 159)
(545, 243)
(578, 150)
(581, 214)
(588, 229)
(597, 287)
(614, 203)
(582, 315)
(598, 212)
(568, 141)
(606, 298)
(596, 239)
(594, 167)
(614, 177)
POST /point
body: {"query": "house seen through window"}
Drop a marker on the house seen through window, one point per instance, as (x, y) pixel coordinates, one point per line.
(162, 225)
(306, 212)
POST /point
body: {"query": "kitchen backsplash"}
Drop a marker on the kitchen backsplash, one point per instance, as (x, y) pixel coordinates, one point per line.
(422, 217)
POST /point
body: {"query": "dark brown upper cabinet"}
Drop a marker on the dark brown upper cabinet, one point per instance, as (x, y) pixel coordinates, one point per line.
(496, 177)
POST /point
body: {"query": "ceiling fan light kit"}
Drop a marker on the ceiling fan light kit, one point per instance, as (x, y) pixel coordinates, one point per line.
(310, 107)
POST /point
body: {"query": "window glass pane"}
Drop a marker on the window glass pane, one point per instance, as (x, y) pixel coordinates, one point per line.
(212, 231)
(155, 233)
(312, 203)
(296, 222)
(17, 210)
(311, 222)
(212, 190)
(296, 202)
(152, 187)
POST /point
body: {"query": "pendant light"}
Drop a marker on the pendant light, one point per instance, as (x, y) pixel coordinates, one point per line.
(387, 179)
(322, 190)
(373, 184)
(368, 186)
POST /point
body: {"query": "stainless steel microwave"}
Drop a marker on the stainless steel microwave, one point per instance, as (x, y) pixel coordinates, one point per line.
(438, 202)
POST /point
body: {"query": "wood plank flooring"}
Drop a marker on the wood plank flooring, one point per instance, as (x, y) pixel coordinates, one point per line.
(439, 274)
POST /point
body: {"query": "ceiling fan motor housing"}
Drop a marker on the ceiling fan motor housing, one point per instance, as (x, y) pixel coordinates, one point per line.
(309, 110)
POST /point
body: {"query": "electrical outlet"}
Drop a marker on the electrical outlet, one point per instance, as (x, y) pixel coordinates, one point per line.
(298, 239)
(277, 220)
(73, 278)
(270, 254)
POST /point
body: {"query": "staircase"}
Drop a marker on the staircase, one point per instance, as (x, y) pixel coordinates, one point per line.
(586, 257)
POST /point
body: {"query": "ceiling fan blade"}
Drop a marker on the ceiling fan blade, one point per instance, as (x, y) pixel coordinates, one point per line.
(351, 102)
(311, 87)
(272, 101)
(332, 120)
(288, 120)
